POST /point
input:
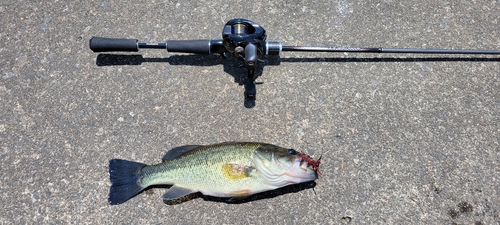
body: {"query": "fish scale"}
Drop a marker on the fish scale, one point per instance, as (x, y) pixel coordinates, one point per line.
(199, 167)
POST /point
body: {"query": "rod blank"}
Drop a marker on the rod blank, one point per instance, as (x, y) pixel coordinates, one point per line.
(388, 50)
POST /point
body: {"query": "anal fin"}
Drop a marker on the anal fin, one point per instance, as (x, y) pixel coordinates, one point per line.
(176, 192)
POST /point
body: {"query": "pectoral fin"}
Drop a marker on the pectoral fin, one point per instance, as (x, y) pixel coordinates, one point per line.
(176, 192)
(236, 171)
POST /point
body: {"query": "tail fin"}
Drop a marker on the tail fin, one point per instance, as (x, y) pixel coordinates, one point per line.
(124, 176)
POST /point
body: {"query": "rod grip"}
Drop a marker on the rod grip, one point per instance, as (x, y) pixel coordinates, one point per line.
(189, 46)
(99, 44)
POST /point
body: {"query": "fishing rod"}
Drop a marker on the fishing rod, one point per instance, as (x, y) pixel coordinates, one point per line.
(246, 40)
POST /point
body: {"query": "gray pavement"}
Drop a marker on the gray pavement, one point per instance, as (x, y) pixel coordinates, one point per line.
(406, 139)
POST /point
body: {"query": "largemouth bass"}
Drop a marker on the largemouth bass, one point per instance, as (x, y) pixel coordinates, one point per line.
(229, 169)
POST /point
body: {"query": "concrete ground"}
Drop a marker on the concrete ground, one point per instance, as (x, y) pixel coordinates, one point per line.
(405, 138)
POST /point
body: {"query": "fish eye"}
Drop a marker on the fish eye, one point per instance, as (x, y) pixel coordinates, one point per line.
(292, 152)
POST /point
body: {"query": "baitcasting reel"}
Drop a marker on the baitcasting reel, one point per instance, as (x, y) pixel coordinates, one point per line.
(246, 40)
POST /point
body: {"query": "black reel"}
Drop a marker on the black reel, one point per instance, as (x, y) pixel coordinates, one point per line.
(246, 40)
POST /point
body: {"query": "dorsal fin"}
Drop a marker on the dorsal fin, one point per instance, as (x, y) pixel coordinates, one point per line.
(176, 152)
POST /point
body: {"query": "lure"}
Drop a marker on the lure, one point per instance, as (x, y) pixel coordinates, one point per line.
(311, 162)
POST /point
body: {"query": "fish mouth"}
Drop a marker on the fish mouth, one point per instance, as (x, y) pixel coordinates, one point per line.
(309, 162)
(301, 171)
(303, 165)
